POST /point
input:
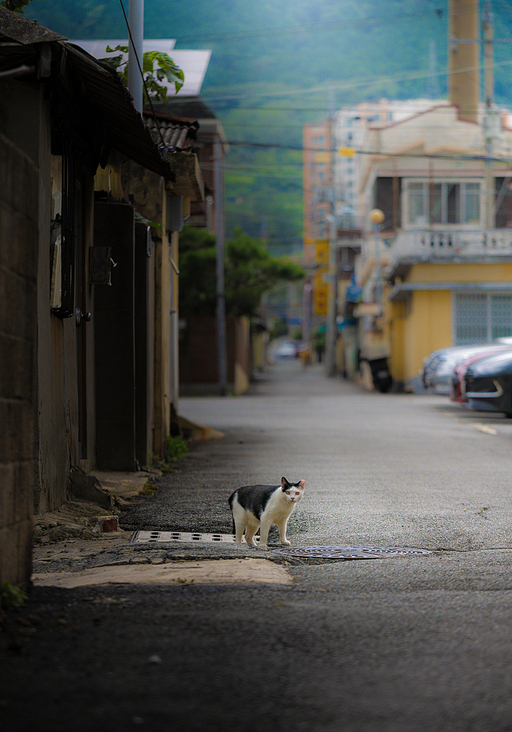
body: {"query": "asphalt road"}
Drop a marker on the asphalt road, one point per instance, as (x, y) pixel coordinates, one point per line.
(409, 644)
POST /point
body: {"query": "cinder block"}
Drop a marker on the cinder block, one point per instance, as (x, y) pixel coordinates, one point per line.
(23, 509)
(4, 430)
(7, 493)
(17, 305)
(17, 367)
(16, 554)
(21, 430)
(108, 524)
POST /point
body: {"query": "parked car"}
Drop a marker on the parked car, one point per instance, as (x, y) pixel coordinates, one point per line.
(286, 349)
(487, 384)
(457, 381)
(438, 367)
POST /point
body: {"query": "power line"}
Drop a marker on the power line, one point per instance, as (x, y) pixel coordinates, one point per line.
(377, 82)
(315, 27)
(382, 153)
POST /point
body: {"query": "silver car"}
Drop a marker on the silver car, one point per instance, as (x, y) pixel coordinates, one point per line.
(438, 367)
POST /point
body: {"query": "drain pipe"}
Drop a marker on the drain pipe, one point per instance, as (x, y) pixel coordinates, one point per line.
(136, 28)
(221, 306)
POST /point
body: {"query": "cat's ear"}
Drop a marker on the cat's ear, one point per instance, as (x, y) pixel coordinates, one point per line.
(284, 483)
(302, 484)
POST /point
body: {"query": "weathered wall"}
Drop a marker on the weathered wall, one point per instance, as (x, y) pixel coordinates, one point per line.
(25, 120)
(149, 195)
(18, 273)
(198, 354)
(144, 346)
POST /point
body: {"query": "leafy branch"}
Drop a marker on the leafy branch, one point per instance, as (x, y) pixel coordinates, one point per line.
(153, 78)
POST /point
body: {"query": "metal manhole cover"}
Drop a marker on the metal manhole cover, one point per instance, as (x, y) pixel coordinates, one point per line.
(350, 552)
(151, 537)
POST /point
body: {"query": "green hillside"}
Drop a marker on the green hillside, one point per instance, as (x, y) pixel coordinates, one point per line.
(276, 66)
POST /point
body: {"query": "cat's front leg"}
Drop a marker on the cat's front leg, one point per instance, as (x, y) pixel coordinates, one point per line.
(282, 532)
(264, 529)
(249, 535)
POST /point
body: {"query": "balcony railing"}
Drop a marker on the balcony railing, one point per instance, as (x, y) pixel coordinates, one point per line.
(435, 243)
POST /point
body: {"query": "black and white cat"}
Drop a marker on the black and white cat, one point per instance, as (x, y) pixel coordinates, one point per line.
(260, 506)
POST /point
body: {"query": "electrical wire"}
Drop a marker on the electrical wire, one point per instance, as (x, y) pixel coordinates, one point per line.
(379, 82)
(382, 153)
(317, 27)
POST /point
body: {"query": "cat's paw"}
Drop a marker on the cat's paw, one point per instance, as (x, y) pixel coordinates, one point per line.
(285, 542)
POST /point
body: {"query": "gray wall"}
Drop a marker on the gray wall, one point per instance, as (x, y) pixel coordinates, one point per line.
(18, 273)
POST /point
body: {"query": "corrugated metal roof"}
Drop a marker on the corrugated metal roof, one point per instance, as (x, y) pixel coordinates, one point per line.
(195, 108)
(177, 133)
(178, 136)
(122, 123)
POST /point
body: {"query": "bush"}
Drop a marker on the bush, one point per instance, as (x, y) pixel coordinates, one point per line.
(175, 447)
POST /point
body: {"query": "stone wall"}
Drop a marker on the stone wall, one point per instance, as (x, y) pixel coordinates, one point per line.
(18, 271)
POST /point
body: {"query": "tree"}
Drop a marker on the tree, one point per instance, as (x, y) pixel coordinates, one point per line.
(249, 272)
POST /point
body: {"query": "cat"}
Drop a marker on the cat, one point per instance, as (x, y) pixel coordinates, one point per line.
(260, 506)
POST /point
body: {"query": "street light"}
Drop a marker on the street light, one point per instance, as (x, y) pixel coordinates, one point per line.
(376, 218)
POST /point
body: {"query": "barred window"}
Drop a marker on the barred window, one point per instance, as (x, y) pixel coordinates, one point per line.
(482, 317)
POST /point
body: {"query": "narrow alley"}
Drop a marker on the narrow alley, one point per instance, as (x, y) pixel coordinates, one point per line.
(404, 644)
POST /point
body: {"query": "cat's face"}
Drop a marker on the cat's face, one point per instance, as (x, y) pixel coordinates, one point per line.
(292, 491)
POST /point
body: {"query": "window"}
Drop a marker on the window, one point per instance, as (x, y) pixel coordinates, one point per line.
(418, 204)
(63, 235)
(442, 203)
(481, 317)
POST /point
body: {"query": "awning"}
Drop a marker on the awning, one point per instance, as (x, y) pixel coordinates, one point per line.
(403, 290)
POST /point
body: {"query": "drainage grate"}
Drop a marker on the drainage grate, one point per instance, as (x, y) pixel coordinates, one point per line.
(350, 552)
(147, 537)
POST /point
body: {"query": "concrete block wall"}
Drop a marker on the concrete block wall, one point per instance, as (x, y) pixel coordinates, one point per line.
(18, 271)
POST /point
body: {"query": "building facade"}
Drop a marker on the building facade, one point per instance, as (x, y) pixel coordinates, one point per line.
(442, 257)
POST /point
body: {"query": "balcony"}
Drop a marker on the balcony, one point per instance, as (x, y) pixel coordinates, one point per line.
(423, 245)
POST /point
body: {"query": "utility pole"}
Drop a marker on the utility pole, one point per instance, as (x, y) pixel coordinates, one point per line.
(488, 54)
(332, 305)
(221, 305)
(492, 119)
(136, 42)
(464, 58)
